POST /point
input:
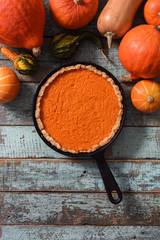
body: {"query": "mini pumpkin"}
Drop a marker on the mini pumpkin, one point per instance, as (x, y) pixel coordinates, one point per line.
(9, 85)
(24, 63)
(145, 96)
(73, 14)
(152, 12)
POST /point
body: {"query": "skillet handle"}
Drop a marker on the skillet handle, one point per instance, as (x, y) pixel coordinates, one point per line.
(110, 183)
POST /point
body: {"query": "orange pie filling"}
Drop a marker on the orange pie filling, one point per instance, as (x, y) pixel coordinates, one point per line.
(79, 109)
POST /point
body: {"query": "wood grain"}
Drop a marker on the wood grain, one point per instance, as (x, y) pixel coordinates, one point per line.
(19, 111)
(79, 233)
(79, 209)
(132, 143)
(76, 175)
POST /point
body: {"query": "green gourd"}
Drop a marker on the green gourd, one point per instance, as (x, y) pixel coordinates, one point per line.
(24, 63)
(63, 45)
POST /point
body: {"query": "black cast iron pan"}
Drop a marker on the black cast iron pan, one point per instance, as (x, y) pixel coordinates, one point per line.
(110, 184)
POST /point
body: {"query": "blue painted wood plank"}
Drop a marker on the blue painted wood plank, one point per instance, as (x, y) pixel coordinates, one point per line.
(132, 143)
(79, 232)
(79, 209)
(76, 175)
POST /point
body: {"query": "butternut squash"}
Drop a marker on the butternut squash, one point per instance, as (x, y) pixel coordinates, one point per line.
(116, 18)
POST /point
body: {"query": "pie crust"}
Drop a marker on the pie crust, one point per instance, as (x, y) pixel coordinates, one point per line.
(41, 94)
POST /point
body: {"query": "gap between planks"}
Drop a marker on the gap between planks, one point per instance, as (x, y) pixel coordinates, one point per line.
(77, 160)
(70, 225)
(77, 192)
(74, 226)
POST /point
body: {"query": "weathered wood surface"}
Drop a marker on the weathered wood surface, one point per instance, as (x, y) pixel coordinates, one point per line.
(73, 192)
(132, 143)
(76, 175)
(19, 111)
(79, 233)
(79, 209)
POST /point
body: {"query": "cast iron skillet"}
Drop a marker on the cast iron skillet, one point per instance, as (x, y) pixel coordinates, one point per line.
(110, 184)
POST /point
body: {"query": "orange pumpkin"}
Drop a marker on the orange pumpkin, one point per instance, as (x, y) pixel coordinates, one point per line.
(73, 14)
(152, 12)
(139, 52)
(22, 24)
(145, 96)
(9, 85)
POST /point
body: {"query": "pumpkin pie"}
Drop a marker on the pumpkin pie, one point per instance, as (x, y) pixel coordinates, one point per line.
(79, 109)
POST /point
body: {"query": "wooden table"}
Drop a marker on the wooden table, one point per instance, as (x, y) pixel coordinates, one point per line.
(45, 195)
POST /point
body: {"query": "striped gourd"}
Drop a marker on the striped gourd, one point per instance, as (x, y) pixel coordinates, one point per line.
(9, 85)
(63, 45)
(145, 96)
(23, 63)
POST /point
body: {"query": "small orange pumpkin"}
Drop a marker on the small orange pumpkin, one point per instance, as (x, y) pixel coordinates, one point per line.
(152, 12)
(73, 14)
(9, 85)
(145, 96)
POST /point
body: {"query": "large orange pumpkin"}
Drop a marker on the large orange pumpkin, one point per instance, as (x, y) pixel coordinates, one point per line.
(73, 14)
(152, 12)
(139, 51)
(9, 85)
(22, 24)
(145, 96)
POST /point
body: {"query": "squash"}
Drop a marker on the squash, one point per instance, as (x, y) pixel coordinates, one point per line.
(73, 14)
(116, 18)
(63, 45)
(24, 63)
(9, 85)
(139, 52)
(152, 12)
(22, 24)
(145, 96)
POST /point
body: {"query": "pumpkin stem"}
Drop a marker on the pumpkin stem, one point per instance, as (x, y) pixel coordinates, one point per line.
(109, 36)
(125, 78)
(36, 51)
(77, 2)
(9, 54)
(150, 99)
(158, 27)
